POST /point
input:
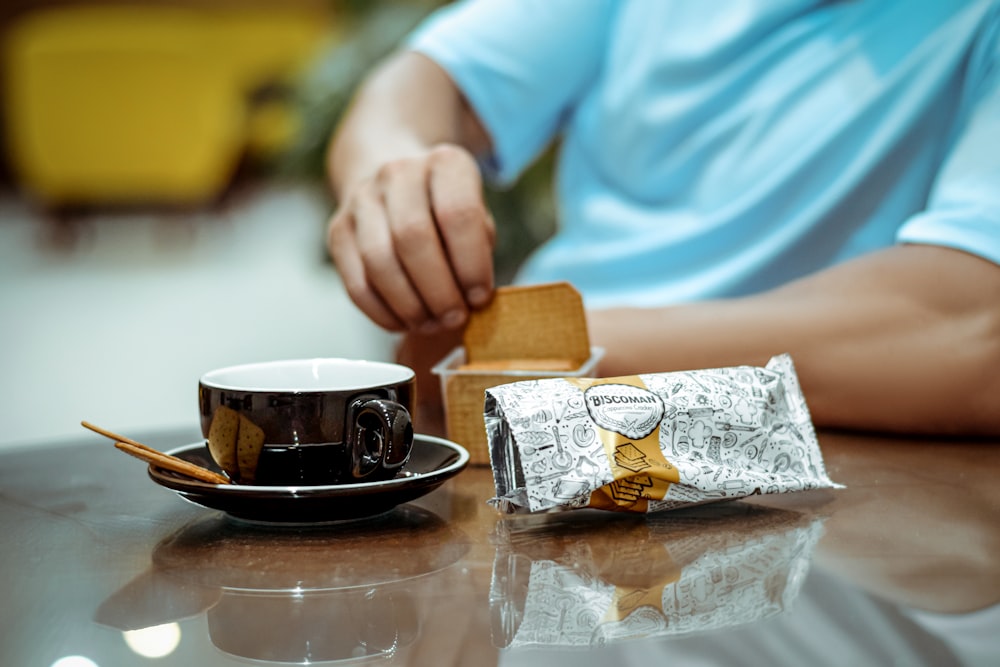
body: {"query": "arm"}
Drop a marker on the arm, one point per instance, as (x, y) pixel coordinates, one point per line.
(412, 237)
(403, 172)
(906, 339)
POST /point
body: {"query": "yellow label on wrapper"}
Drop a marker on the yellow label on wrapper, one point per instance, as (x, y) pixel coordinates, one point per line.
(627, 416)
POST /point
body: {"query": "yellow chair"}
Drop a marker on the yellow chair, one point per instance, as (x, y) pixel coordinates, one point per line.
(127, 104)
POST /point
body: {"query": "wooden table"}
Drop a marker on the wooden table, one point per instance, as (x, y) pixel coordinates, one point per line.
(899, 568)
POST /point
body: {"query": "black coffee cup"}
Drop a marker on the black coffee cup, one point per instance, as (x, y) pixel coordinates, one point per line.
(313, 421)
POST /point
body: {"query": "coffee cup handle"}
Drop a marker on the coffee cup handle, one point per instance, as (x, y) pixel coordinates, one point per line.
(380, 436)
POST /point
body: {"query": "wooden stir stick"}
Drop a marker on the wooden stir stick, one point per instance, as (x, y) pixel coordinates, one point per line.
(158, 458)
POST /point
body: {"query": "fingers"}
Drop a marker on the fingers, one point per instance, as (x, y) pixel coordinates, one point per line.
(345, 254)
(467, 229)
(385, 274)
(414, 243)
(417, 242)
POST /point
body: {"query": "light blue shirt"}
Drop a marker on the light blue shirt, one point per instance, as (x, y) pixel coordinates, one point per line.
(720, 148)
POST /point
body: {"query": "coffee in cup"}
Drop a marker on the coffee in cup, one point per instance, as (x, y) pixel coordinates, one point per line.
(308, 421)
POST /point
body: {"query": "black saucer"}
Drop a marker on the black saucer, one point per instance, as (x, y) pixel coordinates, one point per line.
(432, 462)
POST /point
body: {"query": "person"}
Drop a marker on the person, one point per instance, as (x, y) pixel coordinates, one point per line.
(734, 180)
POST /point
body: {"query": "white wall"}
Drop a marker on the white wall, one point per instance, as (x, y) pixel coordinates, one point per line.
(117, 330)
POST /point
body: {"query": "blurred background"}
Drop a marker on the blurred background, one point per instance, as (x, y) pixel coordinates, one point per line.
(162, 202)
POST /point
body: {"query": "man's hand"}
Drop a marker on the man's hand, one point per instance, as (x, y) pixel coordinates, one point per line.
(414, 242)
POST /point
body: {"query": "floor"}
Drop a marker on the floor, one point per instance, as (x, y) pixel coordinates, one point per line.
(114, 322)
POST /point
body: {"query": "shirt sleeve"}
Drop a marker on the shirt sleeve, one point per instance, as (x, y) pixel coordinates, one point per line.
(963, 210)
(522, 65)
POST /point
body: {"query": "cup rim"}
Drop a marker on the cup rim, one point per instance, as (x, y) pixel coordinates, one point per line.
(269, 378)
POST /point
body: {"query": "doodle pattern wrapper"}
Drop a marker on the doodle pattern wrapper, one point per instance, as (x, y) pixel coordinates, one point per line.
(651, 442)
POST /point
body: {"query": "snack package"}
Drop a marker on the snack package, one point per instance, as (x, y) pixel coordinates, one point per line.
(527, 332)
(651, 442)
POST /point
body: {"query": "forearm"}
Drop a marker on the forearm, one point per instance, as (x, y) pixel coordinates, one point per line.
(405, 107)
(411, 236)
(905, 340)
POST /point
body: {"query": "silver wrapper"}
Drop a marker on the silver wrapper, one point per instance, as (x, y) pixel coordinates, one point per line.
(651, 442)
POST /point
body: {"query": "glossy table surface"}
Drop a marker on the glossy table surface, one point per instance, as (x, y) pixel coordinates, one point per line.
(102, 567)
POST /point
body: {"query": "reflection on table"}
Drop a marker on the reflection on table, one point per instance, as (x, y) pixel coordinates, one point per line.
(598, 579)
(899, 568)
(292, 596)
